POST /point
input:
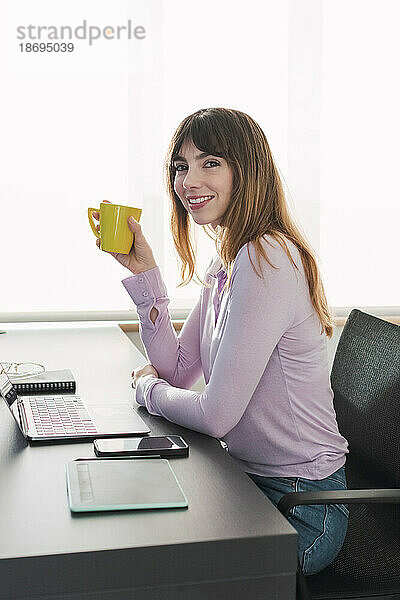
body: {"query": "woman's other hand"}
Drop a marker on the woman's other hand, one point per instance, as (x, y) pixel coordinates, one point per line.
(141, 257)
(146, 370)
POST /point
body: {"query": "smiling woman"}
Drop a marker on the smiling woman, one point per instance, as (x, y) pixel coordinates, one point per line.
(202, 181)
(249, 199)
(259, 340)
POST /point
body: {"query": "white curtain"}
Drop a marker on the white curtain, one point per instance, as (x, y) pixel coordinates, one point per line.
(360, 131)
(95, 123)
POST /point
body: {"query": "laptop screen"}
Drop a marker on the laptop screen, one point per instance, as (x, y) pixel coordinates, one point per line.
(7, 390)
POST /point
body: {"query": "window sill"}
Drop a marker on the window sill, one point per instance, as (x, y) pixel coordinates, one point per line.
(178, 323)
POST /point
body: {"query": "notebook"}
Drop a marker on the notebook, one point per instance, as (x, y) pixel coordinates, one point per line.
(123, 484)
(53, 382)
(47, 418)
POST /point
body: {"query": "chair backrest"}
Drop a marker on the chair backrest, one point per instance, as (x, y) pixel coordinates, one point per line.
(365, 379)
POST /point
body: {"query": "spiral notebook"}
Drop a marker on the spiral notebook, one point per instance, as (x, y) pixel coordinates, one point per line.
(48, 382)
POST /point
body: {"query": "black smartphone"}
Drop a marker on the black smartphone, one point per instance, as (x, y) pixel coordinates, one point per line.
(164, 446)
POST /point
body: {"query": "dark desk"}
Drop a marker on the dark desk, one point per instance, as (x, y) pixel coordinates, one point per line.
(231, 542)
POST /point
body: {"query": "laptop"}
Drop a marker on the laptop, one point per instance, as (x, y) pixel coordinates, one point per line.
(47, 418)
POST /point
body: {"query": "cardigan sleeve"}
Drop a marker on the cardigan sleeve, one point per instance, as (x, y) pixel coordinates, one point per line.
(176, 358)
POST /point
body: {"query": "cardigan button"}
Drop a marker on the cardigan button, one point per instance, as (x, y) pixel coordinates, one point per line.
(145, 294)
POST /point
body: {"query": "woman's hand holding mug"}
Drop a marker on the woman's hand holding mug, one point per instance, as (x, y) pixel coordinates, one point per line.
(141, 257)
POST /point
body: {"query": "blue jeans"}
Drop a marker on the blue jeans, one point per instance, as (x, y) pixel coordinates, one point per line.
(321, 528)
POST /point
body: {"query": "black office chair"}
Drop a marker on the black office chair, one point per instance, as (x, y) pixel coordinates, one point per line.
(365, 379)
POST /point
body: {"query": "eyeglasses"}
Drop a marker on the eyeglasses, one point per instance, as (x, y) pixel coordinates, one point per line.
(21, 370)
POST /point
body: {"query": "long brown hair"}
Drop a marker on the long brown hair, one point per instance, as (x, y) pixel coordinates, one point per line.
(258, 205)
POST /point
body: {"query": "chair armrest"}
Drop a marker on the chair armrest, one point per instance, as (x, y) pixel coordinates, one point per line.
(386, 496)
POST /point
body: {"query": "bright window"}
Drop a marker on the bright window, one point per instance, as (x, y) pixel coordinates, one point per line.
(93, 124)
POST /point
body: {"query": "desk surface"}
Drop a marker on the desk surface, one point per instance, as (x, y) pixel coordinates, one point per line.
(230, 540)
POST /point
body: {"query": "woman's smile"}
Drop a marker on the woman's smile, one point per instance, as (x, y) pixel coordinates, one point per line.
(198, 202)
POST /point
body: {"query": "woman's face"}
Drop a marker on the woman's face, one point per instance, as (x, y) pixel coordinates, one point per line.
(199, 175)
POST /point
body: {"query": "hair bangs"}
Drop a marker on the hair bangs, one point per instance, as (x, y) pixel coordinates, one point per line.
(205, 133)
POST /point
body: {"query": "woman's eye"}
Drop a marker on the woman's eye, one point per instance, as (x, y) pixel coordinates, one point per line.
(214, 163)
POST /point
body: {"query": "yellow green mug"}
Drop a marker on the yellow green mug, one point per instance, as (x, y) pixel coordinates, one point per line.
(115, 235)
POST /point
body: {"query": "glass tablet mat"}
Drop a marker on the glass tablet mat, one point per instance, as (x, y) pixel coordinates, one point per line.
(123, 485)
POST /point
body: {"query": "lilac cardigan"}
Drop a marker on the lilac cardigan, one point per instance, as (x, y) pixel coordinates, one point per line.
(264, 361)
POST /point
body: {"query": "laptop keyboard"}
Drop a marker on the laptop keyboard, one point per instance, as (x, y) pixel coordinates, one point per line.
(61, 415)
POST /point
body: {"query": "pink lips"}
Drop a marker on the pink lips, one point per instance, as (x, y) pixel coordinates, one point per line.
(197, 206)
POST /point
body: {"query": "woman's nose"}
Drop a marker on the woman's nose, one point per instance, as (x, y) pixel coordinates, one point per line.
(192, 179)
